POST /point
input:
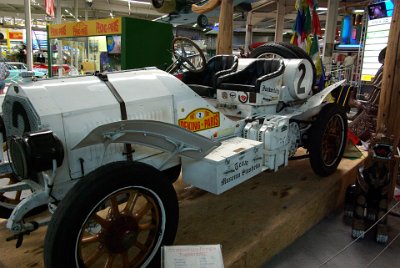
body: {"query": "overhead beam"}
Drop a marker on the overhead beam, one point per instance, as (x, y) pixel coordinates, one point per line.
(260, 30)
(21, 14)
(261, 16)
(12, 7)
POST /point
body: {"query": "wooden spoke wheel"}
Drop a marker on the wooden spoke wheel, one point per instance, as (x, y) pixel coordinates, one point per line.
(9, 200)
(118, 216)
(327, 139)
(120, 233)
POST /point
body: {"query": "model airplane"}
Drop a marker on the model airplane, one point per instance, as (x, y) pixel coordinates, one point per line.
(190, 11)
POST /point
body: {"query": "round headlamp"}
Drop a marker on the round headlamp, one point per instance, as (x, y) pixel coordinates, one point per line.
(34, 152)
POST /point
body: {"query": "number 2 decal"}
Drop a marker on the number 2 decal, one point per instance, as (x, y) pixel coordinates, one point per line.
(302, 69)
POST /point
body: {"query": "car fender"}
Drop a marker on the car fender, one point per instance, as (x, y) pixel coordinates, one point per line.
(164, 136)
(318, 98)
(314, 104)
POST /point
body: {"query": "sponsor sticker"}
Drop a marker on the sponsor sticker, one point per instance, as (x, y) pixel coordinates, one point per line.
(243, 97)
(200, 119)
(232, 95)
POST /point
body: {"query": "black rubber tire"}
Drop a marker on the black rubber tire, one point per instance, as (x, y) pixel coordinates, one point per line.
(202, 21)
(301, 54)
(319, 139)
(286, 51)
(61, 242)
(273, 48)
(173, 173)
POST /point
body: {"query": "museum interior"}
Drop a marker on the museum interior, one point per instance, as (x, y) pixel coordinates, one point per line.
(199, 133)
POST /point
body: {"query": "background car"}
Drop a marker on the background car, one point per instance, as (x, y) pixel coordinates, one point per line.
(43, 67)
(15, 68)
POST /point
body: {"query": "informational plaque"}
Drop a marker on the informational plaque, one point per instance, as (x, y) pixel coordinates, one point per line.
(192, 256)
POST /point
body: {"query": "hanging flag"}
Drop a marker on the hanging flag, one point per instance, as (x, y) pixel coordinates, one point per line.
(306, 29)
(316, 25)
(314, 53)
(307, 24)
(49, 4)
(299, 22)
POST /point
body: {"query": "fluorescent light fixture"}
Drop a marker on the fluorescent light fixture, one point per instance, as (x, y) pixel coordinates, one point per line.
(358, 11)
(66, 10)
(322, 9)
(194, 25)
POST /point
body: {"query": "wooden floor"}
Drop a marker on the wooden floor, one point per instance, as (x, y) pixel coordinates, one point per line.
(253, 221)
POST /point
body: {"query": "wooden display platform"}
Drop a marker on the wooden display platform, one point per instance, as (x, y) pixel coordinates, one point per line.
(253, 221)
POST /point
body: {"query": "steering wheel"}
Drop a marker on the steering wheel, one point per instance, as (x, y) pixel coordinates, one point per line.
(188, 55)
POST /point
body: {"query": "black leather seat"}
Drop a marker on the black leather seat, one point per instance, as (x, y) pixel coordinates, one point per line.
(250, 78)
(204, 83)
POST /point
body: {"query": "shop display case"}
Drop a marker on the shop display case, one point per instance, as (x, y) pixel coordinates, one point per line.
(114, 44)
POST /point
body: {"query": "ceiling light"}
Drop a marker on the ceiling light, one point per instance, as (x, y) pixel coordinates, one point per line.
(358, 11)
(322, 9)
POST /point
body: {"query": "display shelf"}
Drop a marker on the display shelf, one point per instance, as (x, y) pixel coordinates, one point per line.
(253, 221)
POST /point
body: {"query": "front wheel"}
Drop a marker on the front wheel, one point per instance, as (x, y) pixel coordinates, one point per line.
(118, 216)
(327, 139)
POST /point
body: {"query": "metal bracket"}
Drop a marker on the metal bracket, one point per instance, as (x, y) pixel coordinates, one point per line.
(15, 222)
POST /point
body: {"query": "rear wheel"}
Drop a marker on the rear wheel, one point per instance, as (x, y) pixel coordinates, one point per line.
(301, 54)
(283, 50)
(272, 50)
(327, 139)
(118, 216)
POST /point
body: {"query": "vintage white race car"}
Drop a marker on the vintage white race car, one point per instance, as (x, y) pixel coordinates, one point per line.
(102, 152)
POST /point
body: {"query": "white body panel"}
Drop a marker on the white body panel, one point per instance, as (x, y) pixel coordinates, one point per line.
(72, 107)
